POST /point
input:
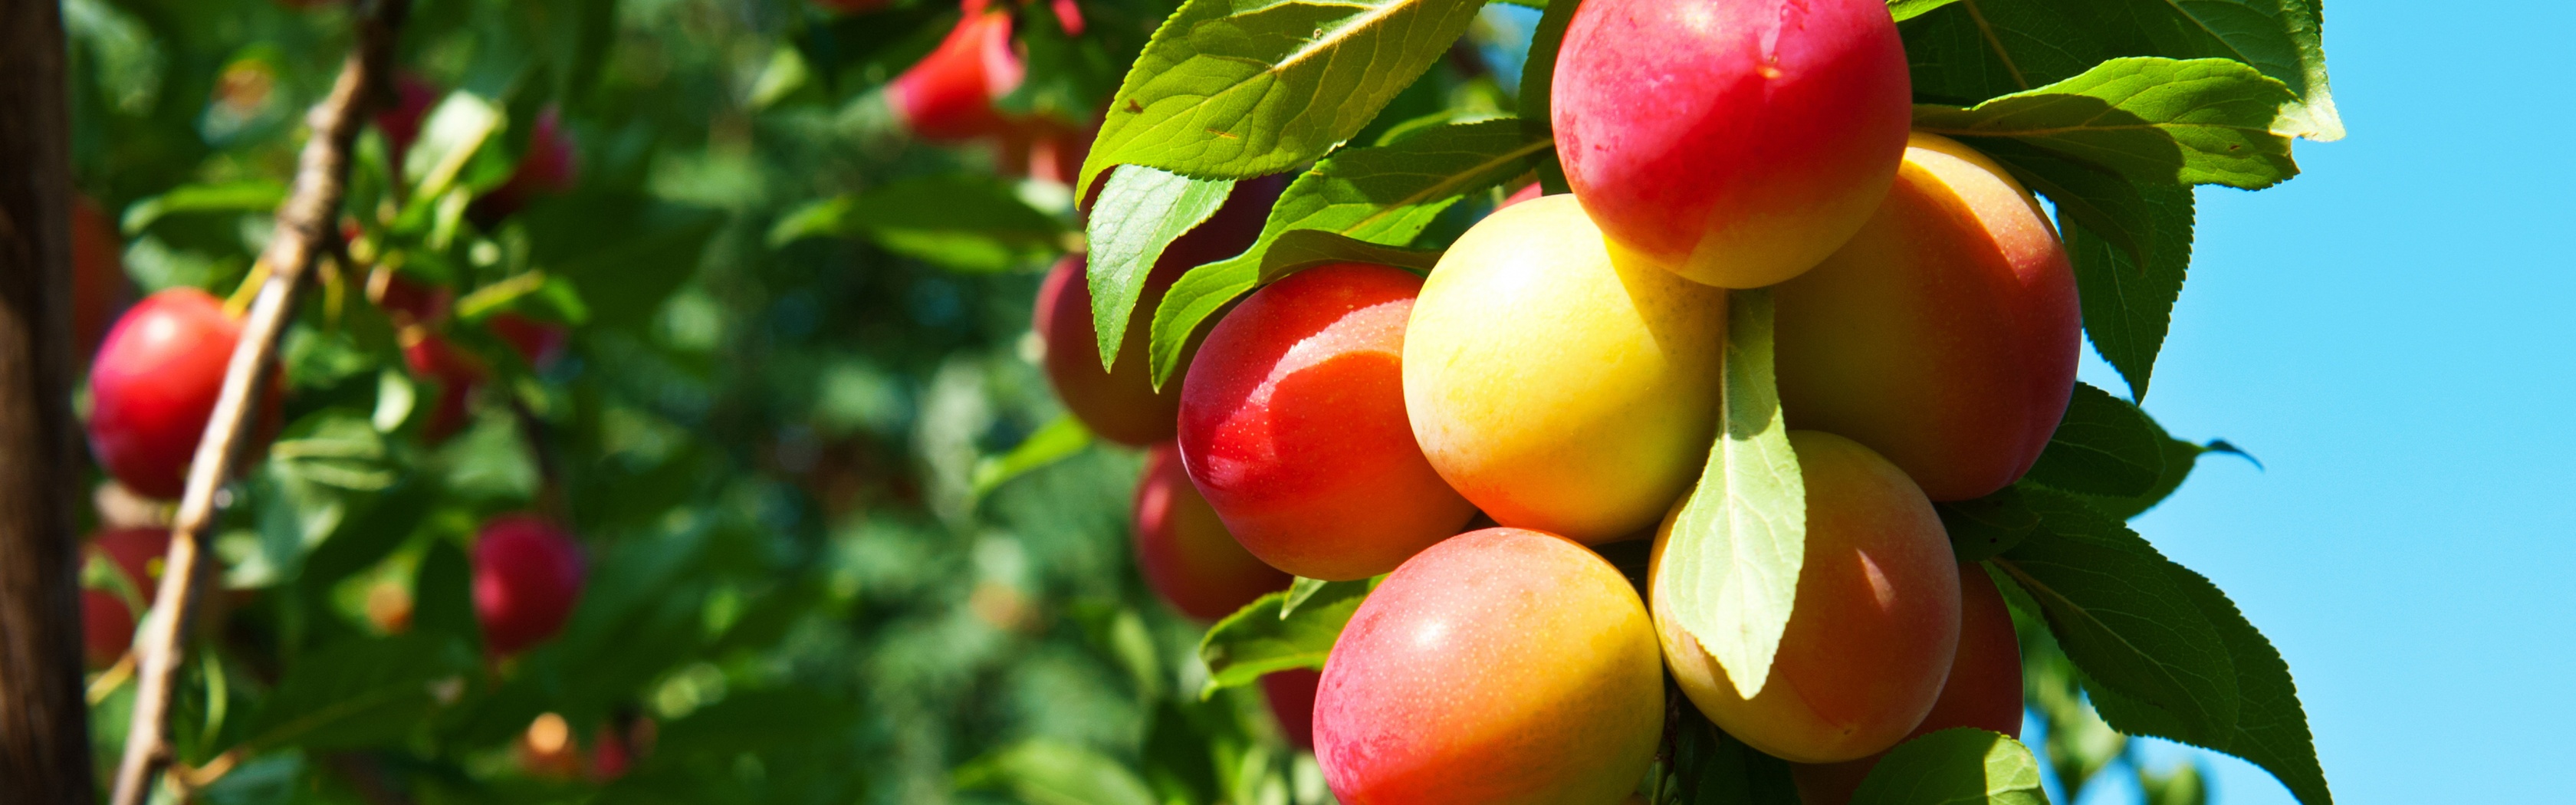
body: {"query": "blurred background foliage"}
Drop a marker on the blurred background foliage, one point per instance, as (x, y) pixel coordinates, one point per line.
(783, 424)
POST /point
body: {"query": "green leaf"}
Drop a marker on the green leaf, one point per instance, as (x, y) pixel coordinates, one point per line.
(1139, 213)
(1710, 767)
(1969, 51)
(627, 252)
(2203, 121)
(2271, 728)
(2111, 605)
(1056, 773)
(1546, 39)
(1909, 9)
(2103, 446)
(959, 222)
(1983, 527)
(1051, 443)
(1384, 195)
(1299, 249)
(2128, 303)
(1963, 765)
(1265, 636)
(363, 692)
(456, 129)
(249, 195)
(1243, 88)
(1731, 569)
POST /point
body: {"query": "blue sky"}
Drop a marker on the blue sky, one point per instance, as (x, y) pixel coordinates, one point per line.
(2391, 333)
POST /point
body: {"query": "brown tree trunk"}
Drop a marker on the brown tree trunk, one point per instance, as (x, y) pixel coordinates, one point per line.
(44, 725)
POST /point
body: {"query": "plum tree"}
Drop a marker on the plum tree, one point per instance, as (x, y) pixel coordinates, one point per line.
(107, 624)
(153, 387)
(1292, 424)
(1500, 666)
(1945, 334)
(1559, 388)
(1121, 404)
(1735, 141)
(948, 95)
(527, 575)
(1983, 690)
(1291, 695)
(1184, 550)
(1875, 624)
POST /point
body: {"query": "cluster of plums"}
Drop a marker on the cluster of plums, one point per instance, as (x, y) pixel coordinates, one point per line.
(158, 370)
(1559, 375)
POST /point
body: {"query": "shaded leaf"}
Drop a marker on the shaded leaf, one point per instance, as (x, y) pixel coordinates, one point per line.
(1384, 195)
(1056, 773)
(2103, 446)
(957, 222)
(2128, 304)
(2119, 617)
(249, 195)
(363, 692)
(2203, 121)
(1963, 765)
(2271, 728)
(1983, 527)
(1243, 88)
(1970, 51)
(1731, 568)
(1052, 442)
(1259, 638)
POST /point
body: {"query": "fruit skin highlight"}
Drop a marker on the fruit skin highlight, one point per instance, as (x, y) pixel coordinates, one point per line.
(1555, 387)
(1184, 550)
(1875, 626)
(1121, 405)
(527, 576)
(1944, 336)
(1499, 667)
(153, 388)
(1735, 141)
(1293, 425)
(1984, 690)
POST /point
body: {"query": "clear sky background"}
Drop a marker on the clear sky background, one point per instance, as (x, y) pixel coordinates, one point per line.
(2394, 334)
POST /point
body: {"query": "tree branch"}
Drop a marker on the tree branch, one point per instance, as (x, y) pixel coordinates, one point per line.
(306, 225)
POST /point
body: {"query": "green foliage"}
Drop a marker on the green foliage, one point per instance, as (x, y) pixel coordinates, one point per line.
(1731, 568)
(2204, 121)
(1154, 207)
(1961, 765)
(1237, 89)
(1280, 631)
(2104, 446)
(962, 223)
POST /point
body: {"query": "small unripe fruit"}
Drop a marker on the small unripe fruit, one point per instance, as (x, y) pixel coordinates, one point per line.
(1983, 691)
(1293, 425)
(400, 123)
(550, 166)
(153, 388)
(1556, 387)
(1875, 624)
(1121, 404)
(1184, 550)
(539, 343)
(1499, 667)
(1944, 336)
(1735, 141)
(948, 96)
(527, 576)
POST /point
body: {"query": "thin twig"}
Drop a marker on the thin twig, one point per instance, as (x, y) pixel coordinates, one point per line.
(305, 224)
